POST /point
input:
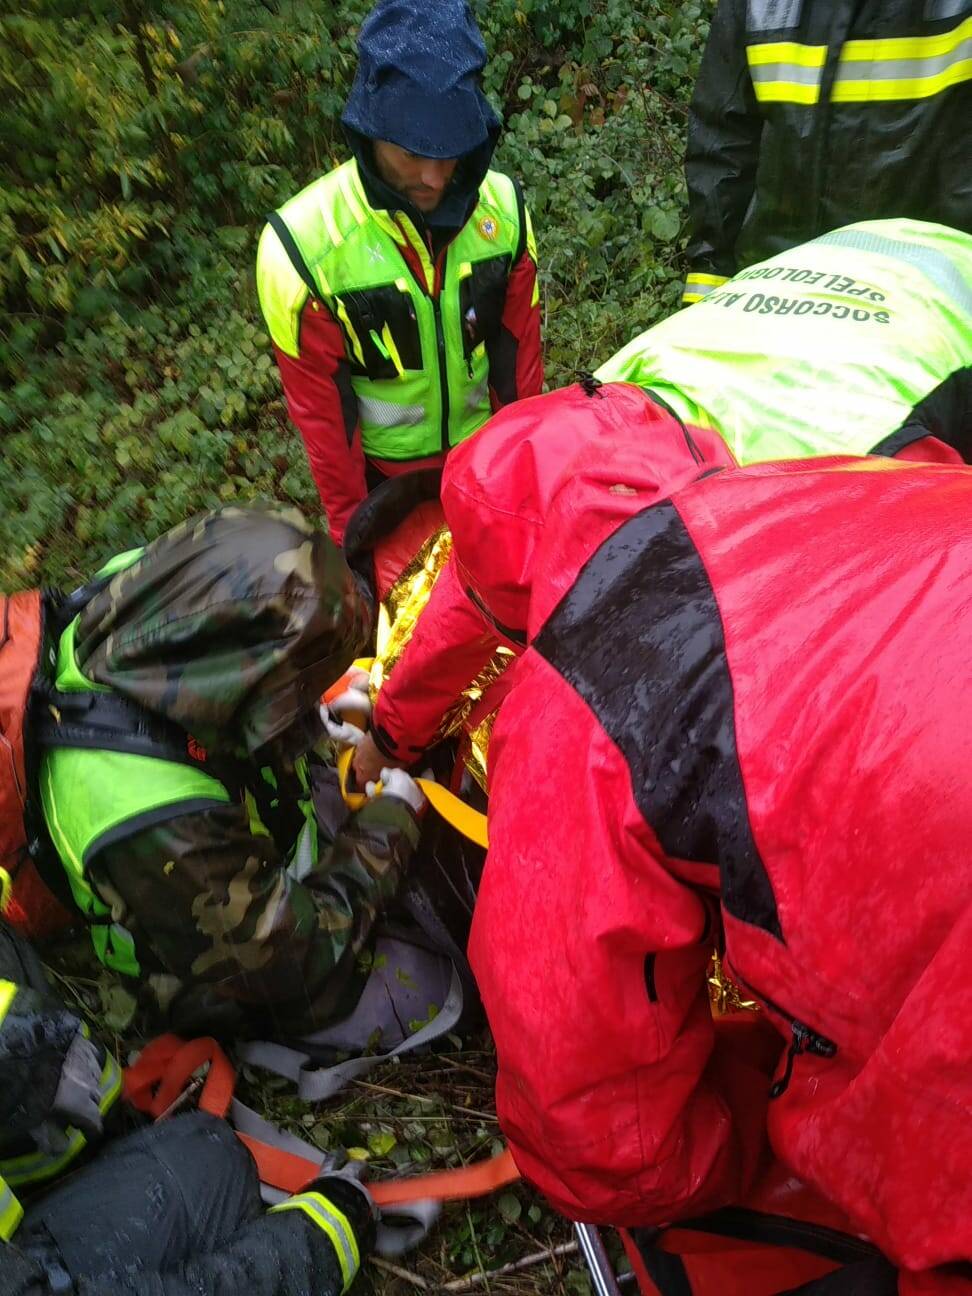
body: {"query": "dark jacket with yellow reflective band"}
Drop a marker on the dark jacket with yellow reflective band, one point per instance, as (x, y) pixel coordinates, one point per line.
(204, 864)
(174, 1209)
(37, 1035)
(809, 114)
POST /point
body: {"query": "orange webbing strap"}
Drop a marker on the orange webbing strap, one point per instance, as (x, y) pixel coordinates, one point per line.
(471, 823)
(164, 1067)
(291, 1173)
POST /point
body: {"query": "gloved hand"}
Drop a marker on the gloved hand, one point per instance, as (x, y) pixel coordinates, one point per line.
(355, 700)
(397, 783)
(77, 1099)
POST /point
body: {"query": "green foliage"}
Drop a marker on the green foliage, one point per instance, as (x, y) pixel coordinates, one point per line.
(142, 145)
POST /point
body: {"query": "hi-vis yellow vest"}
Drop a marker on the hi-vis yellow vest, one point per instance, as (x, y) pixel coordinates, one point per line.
(419, 366)
(823, 349)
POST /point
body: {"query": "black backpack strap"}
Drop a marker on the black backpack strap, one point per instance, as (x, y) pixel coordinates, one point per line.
(289, 244)
(110, 722)
(521, 217)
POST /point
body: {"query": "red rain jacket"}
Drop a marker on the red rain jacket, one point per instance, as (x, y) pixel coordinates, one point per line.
(532, 443)
(743, 707)
(451, 642)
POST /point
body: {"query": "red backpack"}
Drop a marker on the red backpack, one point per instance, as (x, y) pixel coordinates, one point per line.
(28, 904)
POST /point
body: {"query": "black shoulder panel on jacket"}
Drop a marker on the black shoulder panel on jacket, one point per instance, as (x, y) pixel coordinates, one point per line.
(640, 638)
(945, 413)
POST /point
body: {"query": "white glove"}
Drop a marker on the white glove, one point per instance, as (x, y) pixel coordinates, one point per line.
(355, 699)
(396, 783)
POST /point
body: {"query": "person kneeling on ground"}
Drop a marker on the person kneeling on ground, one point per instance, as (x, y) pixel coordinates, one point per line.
(173, 730)
(174, 1208)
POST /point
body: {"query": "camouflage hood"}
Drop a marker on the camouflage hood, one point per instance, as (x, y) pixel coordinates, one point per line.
(231, 624)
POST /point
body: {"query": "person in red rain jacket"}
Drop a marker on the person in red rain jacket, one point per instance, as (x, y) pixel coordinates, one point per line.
(536, 441)
(452, 640)
(742, 718)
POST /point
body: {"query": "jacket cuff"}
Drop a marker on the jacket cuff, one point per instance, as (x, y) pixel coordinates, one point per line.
(337, 1226)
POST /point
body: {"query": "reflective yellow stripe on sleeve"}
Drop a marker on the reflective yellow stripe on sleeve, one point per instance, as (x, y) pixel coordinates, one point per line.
(335, 1224)
(698, 285)
(891, 68)
(8, 991)
(11, 1213)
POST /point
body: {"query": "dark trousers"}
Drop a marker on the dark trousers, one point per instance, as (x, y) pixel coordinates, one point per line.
(168, 1192)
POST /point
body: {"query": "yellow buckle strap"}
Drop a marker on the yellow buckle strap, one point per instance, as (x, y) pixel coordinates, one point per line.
(471, 823)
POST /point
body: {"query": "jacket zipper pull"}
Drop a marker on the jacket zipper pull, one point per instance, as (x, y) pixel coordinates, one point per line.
(804, 1041)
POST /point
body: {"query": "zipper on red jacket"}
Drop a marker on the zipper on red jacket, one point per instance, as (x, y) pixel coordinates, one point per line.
(804, 1041)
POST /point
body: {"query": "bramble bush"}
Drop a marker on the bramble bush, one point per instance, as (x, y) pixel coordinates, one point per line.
(142, 146)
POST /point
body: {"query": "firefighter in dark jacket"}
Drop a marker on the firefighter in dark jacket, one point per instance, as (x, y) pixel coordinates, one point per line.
(173, 1209)
(400, 289)
(810, 114)
(178, 773)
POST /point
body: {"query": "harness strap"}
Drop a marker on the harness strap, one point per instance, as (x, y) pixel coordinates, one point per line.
(294, 254)
(284, 1161)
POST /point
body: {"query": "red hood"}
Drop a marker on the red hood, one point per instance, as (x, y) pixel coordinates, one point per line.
(537, 462)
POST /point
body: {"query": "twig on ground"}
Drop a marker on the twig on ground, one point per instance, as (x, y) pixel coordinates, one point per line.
(537, 1257)
(398, 1272)
(438, 1102)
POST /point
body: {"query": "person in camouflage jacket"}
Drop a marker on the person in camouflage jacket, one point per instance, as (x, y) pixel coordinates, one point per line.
(179, 769)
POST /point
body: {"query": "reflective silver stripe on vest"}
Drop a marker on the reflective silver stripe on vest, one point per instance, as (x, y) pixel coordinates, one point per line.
(790, 72)
(903, 69)
(934, 265)
(478, 395)
(386, 414)
(766, 15)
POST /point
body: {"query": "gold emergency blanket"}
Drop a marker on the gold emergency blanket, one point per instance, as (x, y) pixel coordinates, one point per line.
(397, 617)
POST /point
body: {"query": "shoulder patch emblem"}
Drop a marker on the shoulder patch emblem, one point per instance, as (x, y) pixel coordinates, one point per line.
(489, 228)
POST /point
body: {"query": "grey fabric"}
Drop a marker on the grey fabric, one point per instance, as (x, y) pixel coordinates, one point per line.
(398, 991)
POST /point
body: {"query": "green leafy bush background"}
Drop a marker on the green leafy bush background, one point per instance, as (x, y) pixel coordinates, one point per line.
(140, 150)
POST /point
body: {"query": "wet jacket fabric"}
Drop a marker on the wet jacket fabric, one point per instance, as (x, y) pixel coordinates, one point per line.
(741, 716)
(860, 342)
(532, 444)
(175, 1210)
(417, 81)
(808, 114)
(228, 629)
(417, 85)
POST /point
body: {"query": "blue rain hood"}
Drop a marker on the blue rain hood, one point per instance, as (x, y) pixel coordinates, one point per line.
(417, 83)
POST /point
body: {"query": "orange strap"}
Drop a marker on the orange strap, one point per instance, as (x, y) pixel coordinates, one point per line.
(164, 1067)
(291, 1173)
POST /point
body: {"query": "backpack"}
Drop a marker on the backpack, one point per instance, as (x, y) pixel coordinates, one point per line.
(29, 905)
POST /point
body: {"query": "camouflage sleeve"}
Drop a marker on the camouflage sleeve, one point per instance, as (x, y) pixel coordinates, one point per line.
(216, 907)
